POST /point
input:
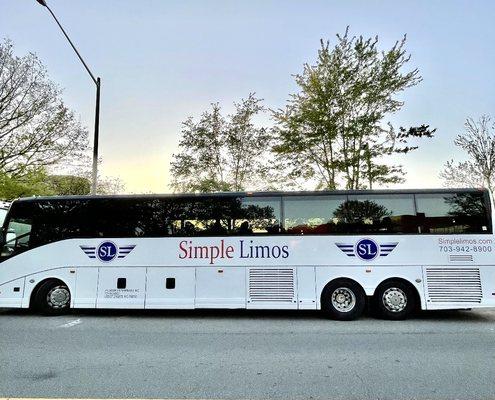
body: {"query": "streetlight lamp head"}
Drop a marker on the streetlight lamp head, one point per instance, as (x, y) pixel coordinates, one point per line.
(42, 2)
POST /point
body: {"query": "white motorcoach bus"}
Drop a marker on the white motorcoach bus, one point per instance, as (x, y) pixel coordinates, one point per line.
(333, 251)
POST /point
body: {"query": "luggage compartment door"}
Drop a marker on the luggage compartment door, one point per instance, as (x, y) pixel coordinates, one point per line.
(220, 287)
(170, 287)
(121, 287)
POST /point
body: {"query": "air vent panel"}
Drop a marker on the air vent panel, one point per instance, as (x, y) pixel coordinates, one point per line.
(454, 285)
(461, 258)
(271, 285)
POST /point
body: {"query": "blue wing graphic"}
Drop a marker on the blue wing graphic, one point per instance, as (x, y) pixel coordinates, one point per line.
(124, 250)
(348, 249)
(90, 251)
(387, 248)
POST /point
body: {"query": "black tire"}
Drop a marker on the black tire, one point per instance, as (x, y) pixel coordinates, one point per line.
(50, 300)
(394, 300)
(350, 292)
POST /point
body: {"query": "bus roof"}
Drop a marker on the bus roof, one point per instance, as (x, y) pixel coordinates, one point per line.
(252, 194)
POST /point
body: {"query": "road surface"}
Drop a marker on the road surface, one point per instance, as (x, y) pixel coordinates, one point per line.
(246, 355)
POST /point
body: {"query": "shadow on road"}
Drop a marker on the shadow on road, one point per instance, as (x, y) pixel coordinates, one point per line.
(479, 315)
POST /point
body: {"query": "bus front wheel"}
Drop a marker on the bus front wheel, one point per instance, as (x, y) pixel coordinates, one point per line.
(394, 300)
(343, 300)
(52, 298)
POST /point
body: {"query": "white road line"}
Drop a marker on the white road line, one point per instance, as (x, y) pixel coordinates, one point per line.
(77, 398)
(68, 325)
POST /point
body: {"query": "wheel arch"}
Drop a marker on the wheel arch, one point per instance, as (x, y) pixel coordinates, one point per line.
(41, 283)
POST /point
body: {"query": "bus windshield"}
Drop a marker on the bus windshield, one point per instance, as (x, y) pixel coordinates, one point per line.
(3, 213)
(17, 232)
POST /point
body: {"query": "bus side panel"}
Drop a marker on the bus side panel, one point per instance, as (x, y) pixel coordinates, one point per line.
(488, 281)
(220, 287)
(11, 293)
(170, 287)
(122, 287)
(369, 277)
(86, 288)
(306, 288)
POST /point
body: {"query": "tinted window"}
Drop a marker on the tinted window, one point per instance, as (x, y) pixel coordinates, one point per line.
(387, 213)
(130, 218)
(452, 213)
(56, 219)
(220, 216)
(313, 215)
(34, 223)
(257, 215)
(201, 217)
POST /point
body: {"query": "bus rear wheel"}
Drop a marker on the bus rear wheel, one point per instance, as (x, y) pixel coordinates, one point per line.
(394, 300)
(52, 298)
(343, 300)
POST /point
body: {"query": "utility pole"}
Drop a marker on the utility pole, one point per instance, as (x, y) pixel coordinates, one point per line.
(97, 81)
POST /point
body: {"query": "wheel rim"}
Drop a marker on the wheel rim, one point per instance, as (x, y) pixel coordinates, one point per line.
(58, 297)
(343, 299)
(394, 299)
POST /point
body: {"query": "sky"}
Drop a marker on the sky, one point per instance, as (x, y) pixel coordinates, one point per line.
(161, 61)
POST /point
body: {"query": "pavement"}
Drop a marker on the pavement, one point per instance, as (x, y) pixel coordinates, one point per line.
(244, 354)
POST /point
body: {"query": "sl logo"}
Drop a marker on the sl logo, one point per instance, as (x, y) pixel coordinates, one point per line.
(367, 249)
(107, 251)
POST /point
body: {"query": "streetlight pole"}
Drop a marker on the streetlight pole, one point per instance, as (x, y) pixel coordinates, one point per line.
(97, 81)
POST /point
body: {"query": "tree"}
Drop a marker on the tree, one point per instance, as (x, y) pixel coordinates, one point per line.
(74, 179)
(220, 153)
(40, 183)
(332, 130)
(78, 172)
(110, 185)
(36, 128)
(478, 141)
(69, 184)
(375, 172)
(32, 183)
